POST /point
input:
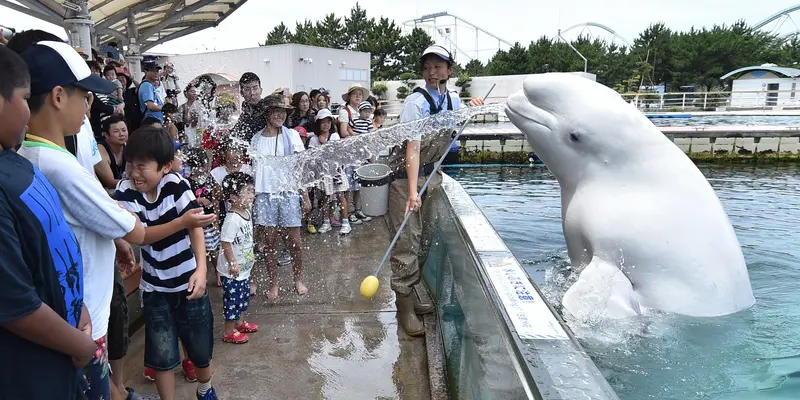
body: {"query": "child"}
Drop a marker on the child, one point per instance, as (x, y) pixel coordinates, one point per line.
(57, 105)
(116, 97)
(364, 122)
(205, 190)
(173, 281)
(237, 256)
(232, 151)
(330, 186)
(45, 325)
(378, 118)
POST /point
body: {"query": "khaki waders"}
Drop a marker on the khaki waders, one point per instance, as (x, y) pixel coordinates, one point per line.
(411, 250)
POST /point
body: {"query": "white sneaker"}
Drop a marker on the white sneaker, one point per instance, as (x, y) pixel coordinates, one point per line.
(354, 220)
(360, 215)
(345, 228)
(325, 228)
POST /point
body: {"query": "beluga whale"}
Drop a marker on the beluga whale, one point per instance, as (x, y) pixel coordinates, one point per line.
(645, 231)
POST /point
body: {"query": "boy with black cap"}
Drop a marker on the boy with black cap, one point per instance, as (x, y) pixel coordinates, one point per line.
(46, 331)
(412, 163)
(60, 84)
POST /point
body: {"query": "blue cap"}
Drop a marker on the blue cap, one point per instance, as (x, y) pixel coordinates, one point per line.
(54, 64)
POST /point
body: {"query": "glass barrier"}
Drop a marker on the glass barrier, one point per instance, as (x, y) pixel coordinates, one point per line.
(501, 339)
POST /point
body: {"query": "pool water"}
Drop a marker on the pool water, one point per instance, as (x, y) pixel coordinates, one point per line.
(753, 354)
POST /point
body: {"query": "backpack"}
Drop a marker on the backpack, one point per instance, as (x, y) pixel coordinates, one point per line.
(133, 111)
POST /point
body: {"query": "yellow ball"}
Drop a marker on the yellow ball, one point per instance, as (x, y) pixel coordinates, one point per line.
(369, 286)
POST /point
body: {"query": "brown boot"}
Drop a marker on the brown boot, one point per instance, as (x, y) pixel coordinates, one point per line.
(407, 317)
(422, 308)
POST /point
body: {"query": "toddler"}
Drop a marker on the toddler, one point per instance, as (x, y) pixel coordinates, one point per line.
(237, 256)
(205, 189)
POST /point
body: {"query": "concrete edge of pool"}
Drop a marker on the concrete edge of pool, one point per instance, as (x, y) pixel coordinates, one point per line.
(549, 361)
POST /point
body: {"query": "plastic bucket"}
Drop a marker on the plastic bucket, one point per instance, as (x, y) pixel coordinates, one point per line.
(374, 180)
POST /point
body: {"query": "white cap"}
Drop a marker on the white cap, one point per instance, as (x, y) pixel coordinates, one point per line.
(439, 51)
(324, 113)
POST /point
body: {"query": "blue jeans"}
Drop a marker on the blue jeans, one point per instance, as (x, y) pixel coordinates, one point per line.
(169, 316)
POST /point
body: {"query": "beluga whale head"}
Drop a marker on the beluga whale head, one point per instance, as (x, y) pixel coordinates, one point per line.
(578, 127)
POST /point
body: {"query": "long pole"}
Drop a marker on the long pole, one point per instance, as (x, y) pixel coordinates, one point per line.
(425, 186)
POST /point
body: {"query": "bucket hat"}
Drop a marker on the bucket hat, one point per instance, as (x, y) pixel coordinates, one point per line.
(324, 113)
(354, 87)
(274, 101)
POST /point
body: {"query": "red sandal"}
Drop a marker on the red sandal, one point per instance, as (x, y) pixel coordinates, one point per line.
(247, 327)
(235, 337)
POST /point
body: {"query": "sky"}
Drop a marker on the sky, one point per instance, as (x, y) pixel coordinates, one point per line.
(512, 20)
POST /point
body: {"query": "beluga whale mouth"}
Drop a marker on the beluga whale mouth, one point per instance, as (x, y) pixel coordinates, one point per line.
(521, 111)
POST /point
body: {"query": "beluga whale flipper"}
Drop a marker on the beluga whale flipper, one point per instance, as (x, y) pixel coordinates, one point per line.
(643, 226)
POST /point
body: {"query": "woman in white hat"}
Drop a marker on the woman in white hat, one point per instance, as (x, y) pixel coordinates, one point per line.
(354, 96)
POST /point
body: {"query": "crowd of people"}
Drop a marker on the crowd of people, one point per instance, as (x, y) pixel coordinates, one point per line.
(186, 185)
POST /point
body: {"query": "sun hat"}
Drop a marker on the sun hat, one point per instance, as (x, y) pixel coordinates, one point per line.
(353, 87)
(54, 64)
(274, 101)
(324, 113)
(365, 105)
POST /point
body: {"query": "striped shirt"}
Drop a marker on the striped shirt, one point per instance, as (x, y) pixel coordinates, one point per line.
(361, 126)
(168, 263)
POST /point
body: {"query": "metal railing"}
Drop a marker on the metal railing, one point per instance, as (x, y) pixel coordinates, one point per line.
(710, 101)
(683, 101)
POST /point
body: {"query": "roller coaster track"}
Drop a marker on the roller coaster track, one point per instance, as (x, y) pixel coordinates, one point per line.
(785, 13)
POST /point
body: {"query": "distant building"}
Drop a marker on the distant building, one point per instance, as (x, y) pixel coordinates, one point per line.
(764, 86)
(293, 66)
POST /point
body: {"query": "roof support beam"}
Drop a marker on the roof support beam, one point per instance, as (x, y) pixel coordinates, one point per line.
(169, 18)
(176, 35)
(123, 14)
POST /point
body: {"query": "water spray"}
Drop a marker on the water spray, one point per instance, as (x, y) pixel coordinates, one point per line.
(369, 286)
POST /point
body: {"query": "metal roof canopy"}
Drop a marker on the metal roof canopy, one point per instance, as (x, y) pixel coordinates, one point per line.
(146, 23)
(784, 71)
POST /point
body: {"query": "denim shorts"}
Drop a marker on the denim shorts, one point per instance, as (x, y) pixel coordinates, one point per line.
(282, 211)
(169, 316)
(351, 180)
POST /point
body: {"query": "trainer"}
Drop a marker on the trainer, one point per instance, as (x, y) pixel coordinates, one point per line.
(412, 163)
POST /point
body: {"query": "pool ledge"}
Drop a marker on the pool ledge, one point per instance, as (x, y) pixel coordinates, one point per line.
(548, 360)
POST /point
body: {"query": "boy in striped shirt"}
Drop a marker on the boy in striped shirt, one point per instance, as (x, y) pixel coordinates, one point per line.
(364, 122)
(173, 284)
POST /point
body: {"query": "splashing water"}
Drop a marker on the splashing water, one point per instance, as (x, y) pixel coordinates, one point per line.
(308, 168)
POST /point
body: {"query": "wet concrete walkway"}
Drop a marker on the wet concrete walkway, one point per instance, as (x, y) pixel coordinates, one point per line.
(330, 344)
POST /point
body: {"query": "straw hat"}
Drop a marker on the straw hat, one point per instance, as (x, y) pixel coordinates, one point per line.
(355, 86)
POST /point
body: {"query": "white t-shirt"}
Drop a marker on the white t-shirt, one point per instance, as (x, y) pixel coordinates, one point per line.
(268, 176)
(344, 117)
(239, 233)
(88, 153)
(221, 172)
(95, 218)
(314, 141)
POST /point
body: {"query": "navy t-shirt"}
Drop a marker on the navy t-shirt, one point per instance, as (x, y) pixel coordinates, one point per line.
(41, 263)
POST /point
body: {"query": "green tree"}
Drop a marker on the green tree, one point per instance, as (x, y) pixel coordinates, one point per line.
(382, 43)
(356, 28)
(279, 35)
(413, 45)
(474, 68)
(331, 32)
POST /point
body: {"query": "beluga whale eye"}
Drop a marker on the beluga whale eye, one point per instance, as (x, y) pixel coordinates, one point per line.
(575, 137)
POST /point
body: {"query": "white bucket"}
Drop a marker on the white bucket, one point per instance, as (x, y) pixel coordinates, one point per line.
(374, 180)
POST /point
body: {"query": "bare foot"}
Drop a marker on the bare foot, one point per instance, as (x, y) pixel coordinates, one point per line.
(219, 280)
(253, 288)
(273, 292)
(301, 289)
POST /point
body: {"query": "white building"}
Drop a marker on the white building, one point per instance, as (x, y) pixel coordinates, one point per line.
(764, 86)
(297, 67)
